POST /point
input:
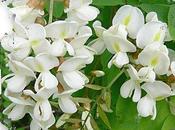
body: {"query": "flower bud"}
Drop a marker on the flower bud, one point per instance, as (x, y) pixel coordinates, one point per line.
(98, 73)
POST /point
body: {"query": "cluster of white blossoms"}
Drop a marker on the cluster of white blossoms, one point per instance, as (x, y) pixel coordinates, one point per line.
(45, 61)
(139, 46)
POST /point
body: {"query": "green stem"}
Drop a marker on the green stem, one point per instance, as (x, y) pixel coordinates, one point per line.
(51, 11)
(115, 78)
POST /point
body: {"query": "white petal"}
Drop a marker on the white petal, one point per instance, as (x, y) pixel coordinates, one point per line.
(18, 98)
(87, 13)
(49, 81)
(132, 72)
(61, 29)
(121, 59)
(57, 48)
(67, 105)
(147, 74)
(20, 68)
(131, 17)
(173, 67)
(127, 89)
(98, 45)
(34, 125)
(157, 90)
(98, 28)
(156, 34)
(70, 49)
(117, 44)
(36, 31)
(3, 127)
(17, 83)
(137, 93)
(40, 46)
(156, 59)
(84, 51)
(6, 22)
(43, 110)
(74, 63)
(74, 79)
(17, 112)
(47, 61)
(146, 106)
(151, 16)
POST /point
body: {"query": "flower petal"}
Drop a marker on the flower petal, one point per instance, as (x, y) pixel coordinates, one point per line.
(42, 110)
(127, 89)
(74, 63)
(74, 79)
(156, 34)
(62, 29)
(146, 107)
(36, 31)
(17, 83)
(49, 81)
(67, 105)
(131, 17)
(157, 90)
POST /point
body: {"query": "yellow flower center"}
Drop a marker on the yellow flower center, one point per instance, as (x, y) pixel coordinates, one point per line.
(154, 61)
(126, 20)
(116, 47)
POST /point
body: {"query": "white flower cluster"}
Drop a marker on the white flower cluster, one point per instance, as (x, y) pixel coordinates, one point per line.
(45, 61)
(140, 47)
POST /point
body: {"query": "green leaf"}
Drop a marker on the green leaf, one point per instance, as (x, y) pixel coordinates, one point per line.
(104, 117)
(169, 123)
(58, 8)
(171, 21)
(107, 2)
(154, 1)
(94, 124)
(160, 9)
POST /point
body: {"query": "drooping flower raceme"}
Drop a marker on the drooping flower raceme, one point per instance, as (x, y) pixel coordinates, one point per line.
(46, 62)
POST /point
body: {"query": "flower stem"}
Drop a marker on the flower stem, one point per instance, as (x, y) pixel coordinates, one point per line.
(115, 78)
(51, 11)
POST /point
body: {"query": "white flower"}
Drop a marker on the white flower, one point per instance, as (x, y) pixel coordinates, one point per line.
(151, 16)
(98, 44)
(70, 73)
(36, 35)
(155, 34)
(145, 74)
(78, 44)
(25, 14)
(43, 63)
(44, 125)
(22, 76)
(17, 46)
(156, 59)
(60, 32)
(42, 109)
(131, 17)
(81, 11)
(20, 106)
(116, 42)
(157, 90)
(65, 101)
(6, 20)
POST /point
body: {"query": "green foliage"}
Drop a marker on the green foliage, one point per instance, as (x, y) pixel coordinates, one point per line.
(171, 21)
